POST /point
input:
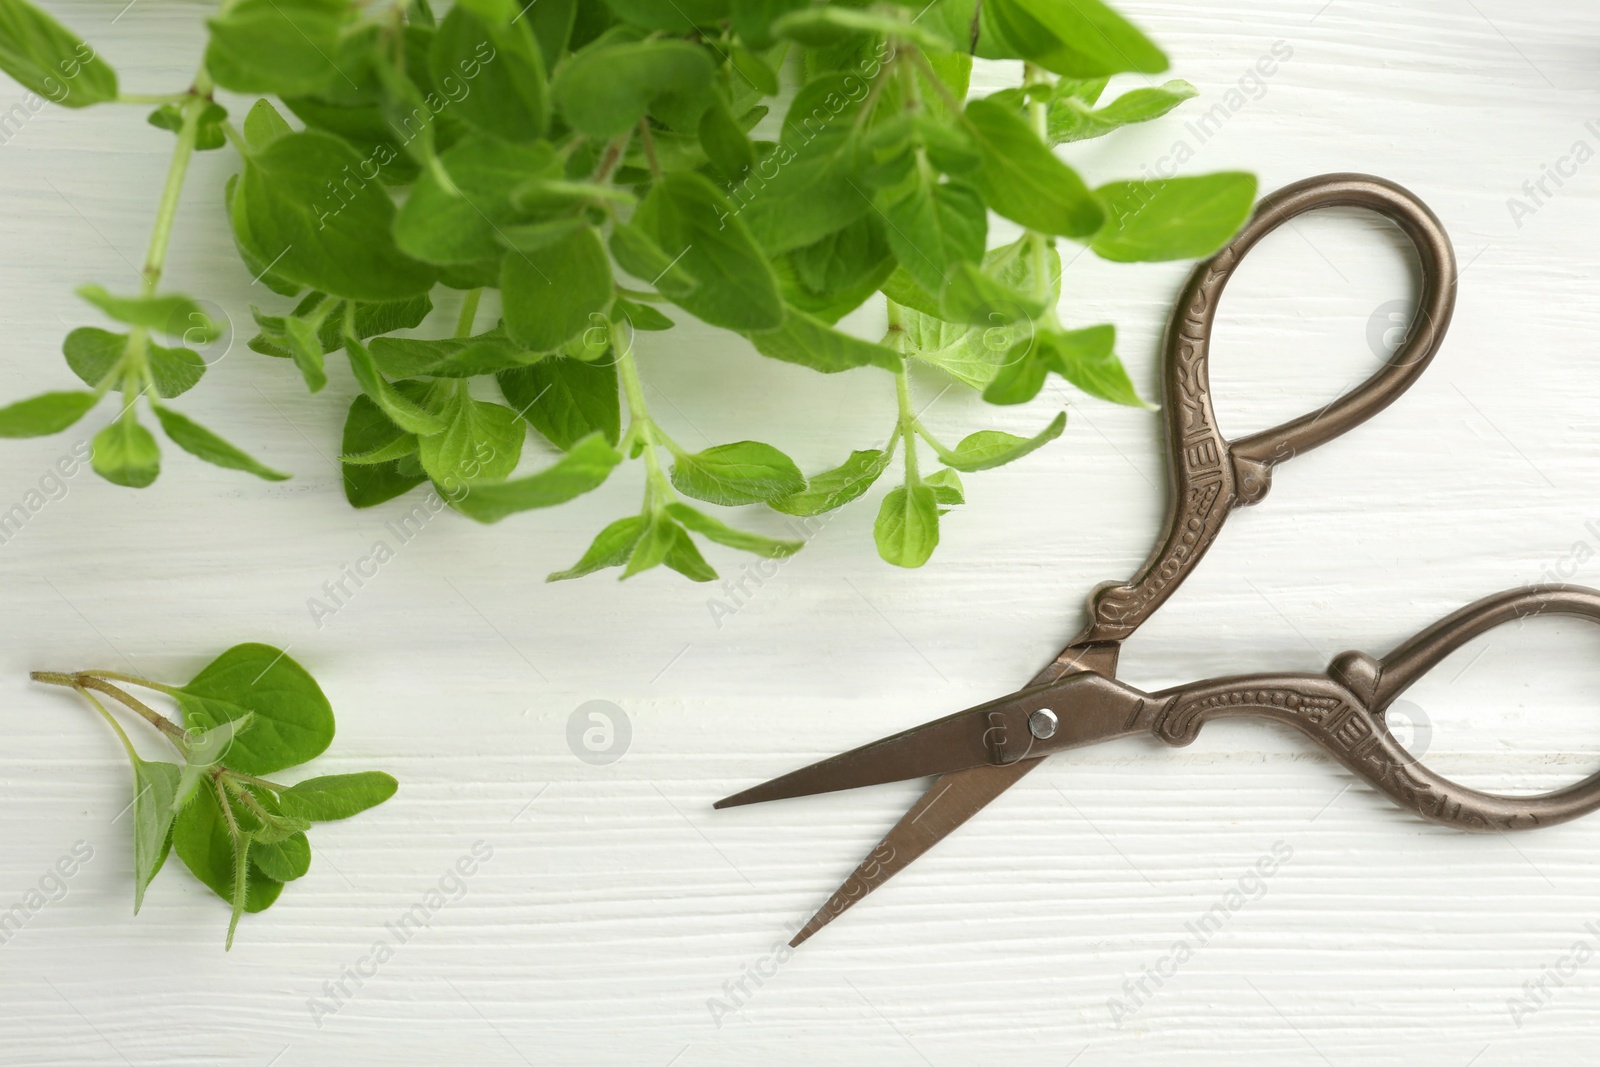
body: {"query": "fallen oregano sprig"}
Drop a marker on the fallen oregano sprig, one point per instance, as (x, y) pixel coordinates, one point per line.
(570, 175)
(252, 711)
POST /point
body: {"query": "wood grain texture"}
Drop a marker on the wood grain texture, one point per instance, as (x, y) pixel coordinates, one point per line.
(618, 908)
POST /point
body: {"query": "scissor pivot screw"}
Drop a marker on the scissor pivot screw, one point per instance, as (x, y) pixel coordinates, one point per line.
(1042, 724)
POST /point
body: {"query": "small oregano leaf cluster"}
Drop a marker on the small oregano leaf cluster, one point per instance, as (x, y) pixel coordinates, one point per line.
(252, 711)
(575, 174)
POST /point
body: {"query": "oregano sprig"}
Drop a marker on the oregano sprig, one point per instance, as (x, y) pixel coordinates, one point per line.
(252, 711)
(578, 175)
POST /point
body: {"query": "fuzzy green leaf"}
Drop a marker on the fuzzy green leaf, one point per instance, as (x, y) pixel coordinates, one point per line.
(481, 442)
(1023, 180)
(810, 342)
(585, 466)
(155, 785)
(200, 837)
(907, 528)
(175, 316)
(367, 429)
(992, 448)
(837, 487)
(285, 210)
(1071, 119)
(464, 222)
(125, 453)
(504, 68)
(202, 443)
(744, 472)
(337, 796)
(565, 399)
(292, 723)
(282, 861)
(551, 293)
(286, 47)
(715, 530)
(49, 59)
(729, 282)
(1081, 39)
(45, 414)
(612, 547)
(602, 91)
(405, 413)
(1172, 218)
(207, 748)
(933, 226)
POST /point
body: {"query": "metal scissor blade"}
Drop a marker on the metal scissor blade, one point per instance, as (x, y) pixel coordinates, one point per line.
(953, 743)
(949, 802)
(1078, 708)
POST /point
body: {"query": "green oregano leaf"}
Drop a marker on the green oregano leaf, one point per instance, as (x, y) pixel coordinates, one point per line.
(45, 414)
(202, 443)
(292, 720)
(992, 448)
(125, 453)
(837, 487)
(155, 786)
(907, 528)
(745, 472)
(47, 58)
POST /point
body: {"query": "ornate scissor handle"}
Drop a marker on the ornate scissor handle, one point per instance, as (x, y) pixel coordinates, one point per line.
(1343, 711)
(1208, 475)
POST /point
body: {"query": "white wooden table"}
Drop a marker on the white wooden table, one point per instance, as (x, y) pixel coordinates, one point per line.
(619, 919)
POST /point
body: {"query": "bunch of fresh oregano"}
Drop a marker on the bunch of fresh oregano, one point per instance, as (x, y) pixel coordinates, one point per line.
(597, 168)
(251, 711)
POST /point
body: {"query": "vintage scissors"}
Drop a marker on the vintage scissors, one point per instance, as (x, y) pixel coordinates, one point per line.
(1077, 699)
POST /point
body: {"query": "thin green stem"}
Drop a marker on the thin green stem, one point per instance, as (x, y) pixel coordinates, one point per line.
(251, 779)
(230, 783)
(613, 156)
(169, 729)
(241, 854)
(906, 427)
(122, 734)
(657, 490)
(194, 106)
(1038, 243)
(926, 435)
(469, 313)
(116, 676)
(647, 139)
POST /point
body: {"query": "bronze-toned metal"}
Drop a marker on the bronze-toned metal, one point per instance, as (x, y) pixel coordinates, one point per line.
(1077, 700)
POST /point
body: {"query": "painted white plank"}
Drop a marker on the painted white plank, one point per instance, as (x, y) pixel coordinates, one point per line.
(618, 910)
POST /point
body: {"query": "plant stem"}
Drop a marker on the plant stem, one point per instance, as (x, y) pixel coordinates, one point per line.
(171, 730)
(251, 779)
(906, 427)
(469, 313)
(127, 743)
(193, 106)
(657, 489)
(1039, 114)
(228, 780)
(115, 676)
(649, 142)
(613, 156)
